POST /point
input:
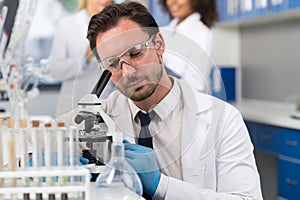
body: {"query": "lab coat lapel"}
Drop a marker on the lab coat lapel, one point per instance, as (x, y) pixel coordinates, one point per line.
(122, 118)
(194, 131)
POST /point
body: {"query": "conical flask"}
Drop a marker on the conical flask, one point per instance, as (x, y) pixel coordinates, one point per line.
(118, 180)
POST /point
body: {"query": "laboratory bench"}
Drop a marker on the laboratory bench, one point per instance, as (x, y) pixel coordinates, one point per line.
(276, 139)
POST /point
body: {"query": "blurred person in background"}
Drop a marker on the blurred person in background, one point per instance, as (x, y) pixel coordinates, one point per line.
(189, 35)
(71, 60)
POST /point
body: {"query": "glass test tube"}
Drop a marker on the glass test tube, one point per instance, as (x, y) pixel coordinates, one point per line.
(74, 156)
(62, 148)
(73, 146)
(1, 155)
(11, 149)
(36, 137)
(50, 154)
(23, 142)
(62, 153)
(24, 153)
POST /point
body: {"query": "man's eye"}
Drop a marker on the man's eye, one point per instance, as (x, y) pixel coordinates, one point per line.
(135, 52)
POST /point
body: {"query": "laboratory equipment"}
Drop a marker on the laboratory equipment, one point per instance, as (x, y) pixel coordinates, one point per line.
(20, 76)
(12, 149)
(94, 127)
(24, 157)
(1, 154)
(30, 181)
(118, 180)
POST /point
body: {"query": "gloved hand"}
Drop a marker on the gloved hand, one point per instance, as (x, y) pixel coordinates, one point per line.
(83, 161)
(143, 160)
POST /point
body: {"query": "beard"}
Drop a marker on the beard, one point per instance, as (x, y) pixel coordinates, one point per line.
(143, 91)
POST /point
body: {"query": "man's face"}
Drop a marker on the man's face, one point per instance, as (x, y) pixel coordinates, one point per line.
(133, 57)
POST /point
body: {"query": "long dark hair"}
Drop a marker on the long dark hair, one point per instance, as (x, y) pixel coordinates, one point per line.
(207, 9)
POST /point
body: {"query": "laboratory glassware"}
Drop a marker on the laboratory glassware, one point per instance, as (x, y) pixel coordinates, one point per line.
(118, 180)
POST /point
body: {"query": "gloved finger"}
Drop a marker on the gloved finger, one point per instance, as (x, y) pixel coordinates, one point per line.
(130, 146)
(136, 147)
(30, 162)
(84, 161)
(126, 141)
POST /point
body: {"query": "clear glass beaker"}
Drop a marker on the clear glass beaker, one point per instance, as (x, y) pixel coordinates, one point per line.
(118, 180)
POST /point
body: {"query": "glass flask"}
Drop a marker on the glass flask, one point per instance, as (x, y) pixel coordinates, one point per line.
(118, 180)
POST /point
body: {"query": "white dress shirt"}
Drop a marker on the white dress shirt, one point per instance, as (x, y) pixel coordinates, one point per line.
(165, 128)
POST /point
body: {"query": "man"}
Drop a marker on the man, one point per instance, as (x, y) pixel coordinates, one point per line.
(199, 146)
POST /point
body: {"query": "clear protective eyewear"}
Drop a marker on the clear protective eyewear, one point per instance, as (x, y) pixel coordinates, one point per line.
(134, 54)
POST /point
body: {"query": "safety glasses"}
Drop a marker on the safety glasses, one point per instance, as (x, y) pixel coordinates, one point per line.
(130, 55)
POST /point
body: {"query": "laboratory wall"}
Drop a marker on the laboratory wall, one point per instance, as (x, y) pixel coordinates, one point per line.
(270, 60)
(44, 104)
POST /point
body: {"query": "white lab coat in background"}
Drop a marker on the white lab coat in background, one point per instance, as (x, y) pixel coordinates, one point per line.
(66, 61)
(189, 48)
(218, 167)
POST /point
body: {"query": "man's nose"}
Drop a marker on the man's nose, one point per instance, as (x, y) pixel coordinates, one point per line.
(127, 68)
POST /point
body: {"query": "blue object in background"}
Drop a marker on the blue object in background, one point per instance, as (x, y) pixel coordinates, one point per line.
(227, 89)
(294, 4)
(228, 75)
(161, 17)
(248, 7)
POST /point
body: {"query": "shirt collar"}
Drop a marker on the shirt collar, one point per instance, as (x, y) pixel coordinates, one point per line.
(165, 107)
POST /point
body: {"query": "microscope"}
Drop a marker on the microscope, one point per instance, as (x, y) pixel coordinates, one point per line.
(95, 127)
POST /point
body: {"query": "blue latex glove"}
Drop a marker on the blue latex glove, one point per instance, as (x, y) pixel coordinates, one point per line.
(143, 160)
(83, 161)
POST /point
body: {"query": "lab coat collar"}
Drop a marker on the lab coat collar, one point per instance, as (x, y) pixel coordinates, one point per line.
(119, 111)
(198, 102)
(195, 104)
(185, 24)
(163, 108)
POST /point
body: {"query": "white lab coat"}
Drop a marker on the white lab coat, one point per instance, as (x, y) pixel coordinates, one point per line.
(222, 168)
(66, 61)
(189, 48)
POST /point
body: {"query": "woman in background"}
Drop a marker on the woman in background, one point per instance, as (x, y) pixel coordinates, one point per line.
(193, 18)
(189, 35)
(71, 60)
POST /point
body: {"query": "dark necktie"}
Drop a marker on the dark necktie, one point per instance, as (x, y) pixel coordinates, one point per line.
(145, 138)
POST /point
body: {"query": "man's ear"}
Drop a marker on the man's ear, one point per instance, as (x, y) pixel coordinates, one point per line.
(159, 43)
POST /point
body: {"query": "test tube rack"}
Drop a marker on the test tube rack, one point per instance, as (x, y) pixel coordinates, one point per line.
(78, 182)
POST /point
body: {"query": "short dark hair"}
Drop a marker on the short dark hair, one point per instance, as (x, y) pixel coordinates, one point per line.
(111, 15)
(208, 10)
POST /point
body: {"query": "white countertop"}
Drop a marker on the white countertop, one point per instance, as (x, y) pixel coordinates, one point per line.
(267, 112)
